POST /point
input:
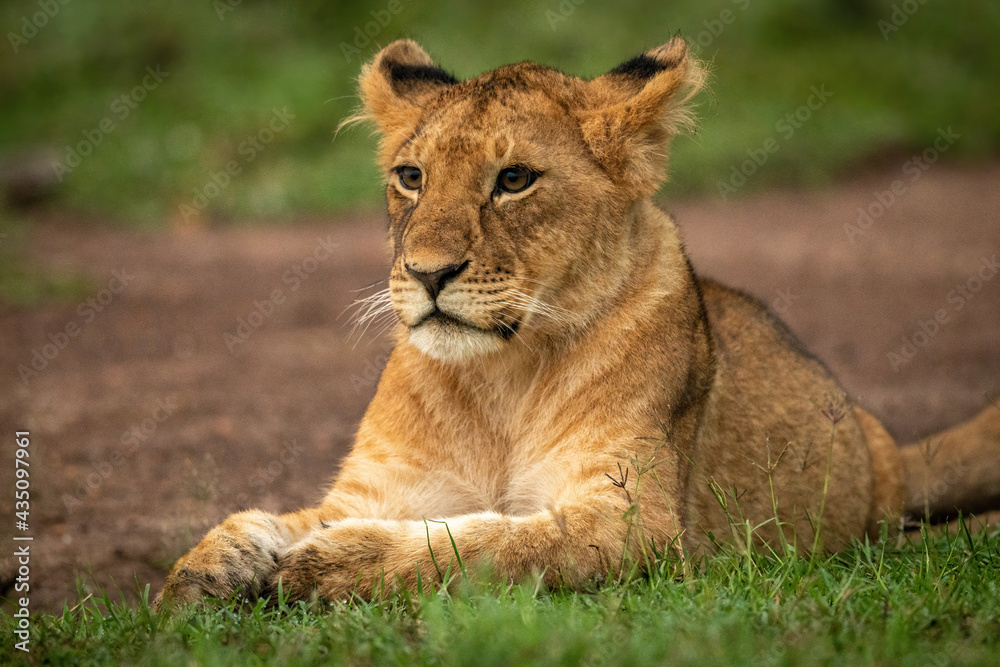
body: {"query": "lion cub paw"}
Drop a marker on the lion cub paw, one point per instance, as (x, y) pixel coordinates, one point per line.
(238, 555)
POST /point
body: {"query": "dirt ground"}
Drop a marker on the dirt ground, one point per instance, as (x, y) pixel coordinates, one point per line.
(161, 413)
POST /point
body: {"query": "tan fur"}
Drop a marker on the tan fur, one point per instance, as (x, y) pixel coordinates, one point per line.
(588, 401)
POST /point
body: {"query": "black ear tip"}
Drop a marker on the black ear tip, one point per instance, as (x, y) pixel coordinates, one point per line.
(407, 65)
(402, 75)
(640, 67)
(654, 61)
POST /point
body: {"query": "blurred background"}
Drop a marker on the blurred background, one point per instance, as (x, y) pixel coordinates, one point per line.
(231, 62)
(187, 149)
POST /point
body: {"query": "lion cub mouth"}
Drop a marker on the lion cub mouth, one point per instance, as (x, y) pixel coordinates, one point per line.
(439, 318)
(452, 339)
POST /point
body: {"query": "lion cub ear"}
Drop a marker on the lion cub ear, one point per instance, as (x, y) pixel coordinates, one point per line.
(631, 113)
(396, 85)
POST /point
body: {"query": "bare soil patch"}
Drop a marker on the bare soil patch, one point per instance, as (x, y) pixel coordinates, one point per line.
(150, 425)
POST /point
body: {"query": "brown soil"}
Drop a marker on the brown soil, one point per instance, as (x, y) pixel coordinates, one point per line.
(146, 430)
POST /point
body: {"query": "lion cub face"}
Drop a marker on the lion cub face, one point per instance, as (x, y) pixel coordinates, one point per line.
(508, 193)
(490, 203)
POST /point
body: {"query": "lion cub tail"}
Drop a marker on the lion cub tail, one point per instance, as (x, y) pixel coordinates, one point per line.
(955, 471)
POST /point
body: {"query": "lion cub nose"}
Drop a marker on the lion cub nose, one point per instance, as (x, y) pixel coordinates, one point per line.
(434, 281)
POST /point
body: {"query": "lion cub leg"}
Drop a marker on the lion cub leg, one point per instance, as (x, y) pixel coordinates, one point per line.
(373, 557)
(239, 555)
(887, 471)
(956, 471)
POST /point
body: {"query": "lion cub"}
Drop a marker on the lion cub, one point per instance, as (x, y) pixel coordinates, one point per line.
(566, 395)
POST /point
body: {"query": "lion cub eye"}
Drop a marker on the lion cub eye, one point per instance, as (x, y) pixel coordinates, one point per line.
(515, 179)
(410, 178)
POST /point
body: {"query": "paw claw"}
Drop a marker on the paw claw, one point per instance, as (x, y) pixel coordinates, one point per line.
(237, 557)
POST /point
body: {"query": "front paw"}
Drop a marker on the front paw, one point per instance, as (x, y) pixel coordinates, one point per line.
(298, 573)
(239, 555)
(336, 563)
(324, 566)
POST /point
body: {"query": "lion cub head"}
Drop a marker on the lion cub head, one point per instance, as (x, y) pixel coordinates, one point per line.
(511, 194)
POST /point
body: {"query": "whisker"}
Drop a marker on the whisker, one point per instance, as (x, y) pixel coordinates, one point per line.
(371, 311)
(533, 304)
(385, 324)
(368, 310)
(514, 331)
(374, 284)
(379, 296)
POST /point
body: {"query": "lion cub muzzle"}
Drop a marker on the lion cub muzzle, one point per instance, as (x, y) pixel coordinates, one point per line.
(455, 311)
(434, 279)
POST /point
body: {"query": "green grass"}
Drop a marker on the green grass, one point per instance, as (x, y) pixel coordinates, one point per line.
(934, 601)
(225, 76)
